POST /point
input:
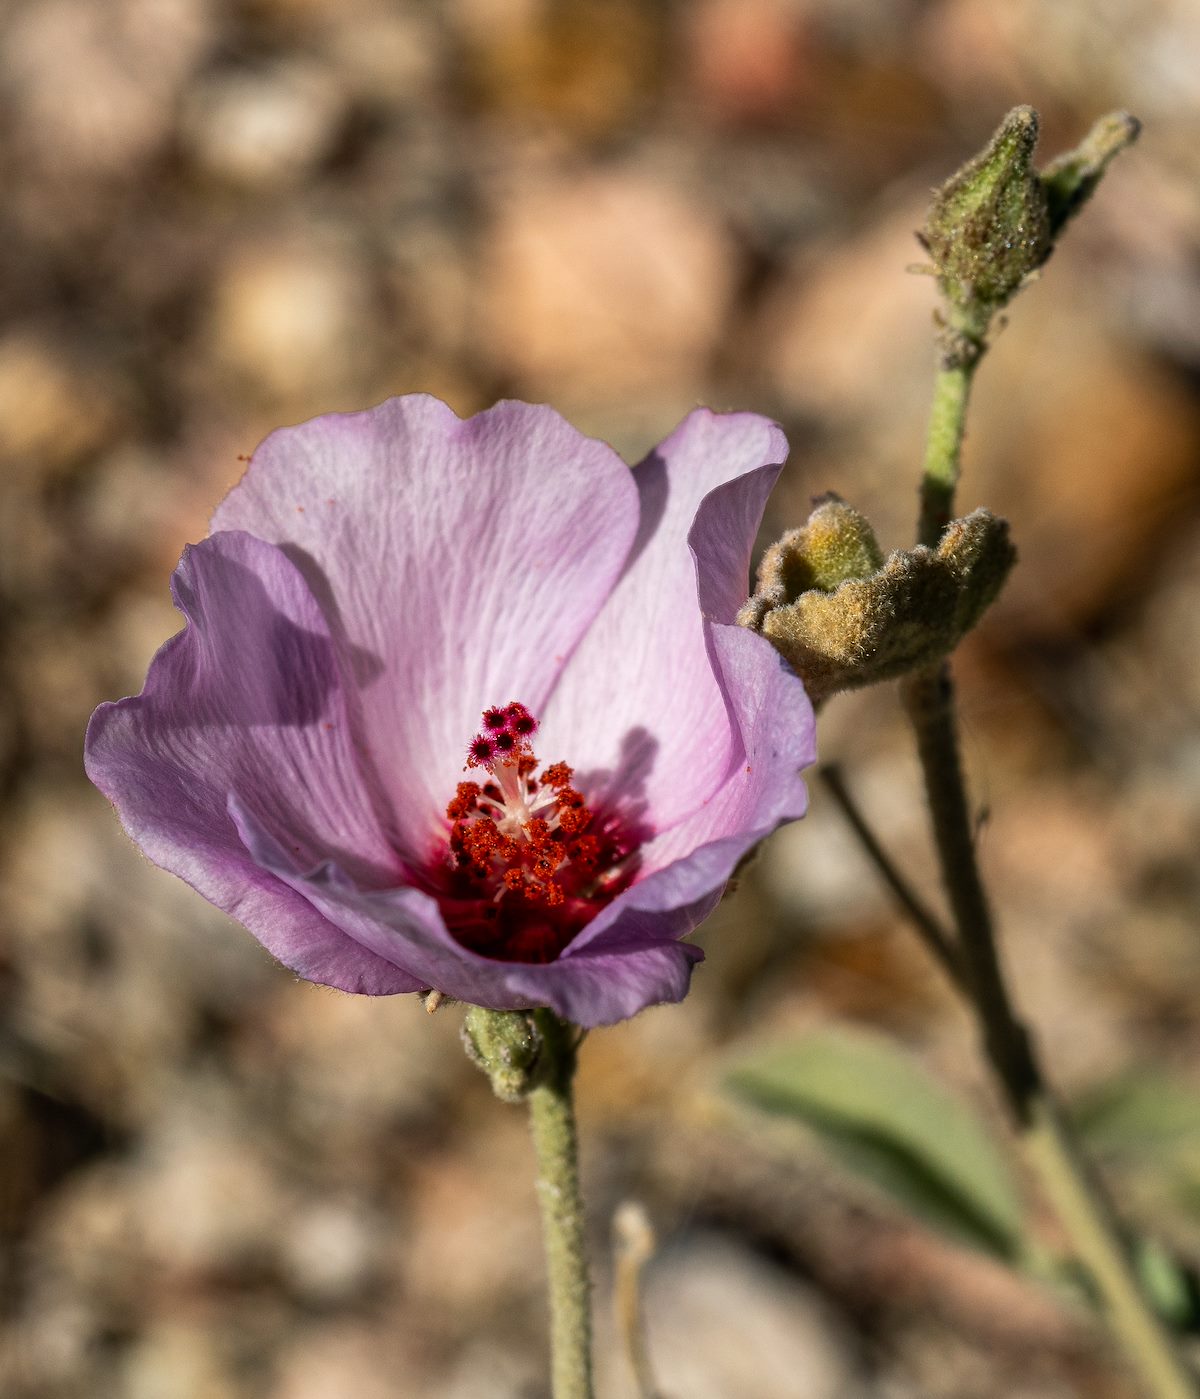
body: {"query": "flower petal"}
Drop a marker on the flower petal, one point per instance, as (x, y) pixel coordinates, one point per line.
(638, 701)
(686, 867)
(629, 956)
(248, 697)
(597, 987)
(469, 556)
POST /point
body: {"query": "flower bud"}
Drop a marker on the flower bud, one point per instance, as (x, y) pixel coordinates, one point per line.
(995, 221)
(834, 544)
(1070, 181)
(909, 612)
(507, 1046)
(987, 228)
(980, 554)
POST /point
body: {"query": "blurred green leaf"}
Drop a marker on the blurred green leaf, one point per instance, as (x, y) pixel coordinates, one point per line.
(1139, 1114)
(1167, 1283)
(887, 1119)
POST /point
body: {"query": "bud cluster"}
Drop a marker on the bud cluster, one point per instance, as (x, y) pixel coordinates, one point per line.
(843, 616)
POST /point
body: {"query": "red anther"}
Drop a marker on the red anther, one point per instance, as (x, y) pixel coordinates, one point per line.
(480, 752)
(586, 851)
(524, 878)
(464, 802)
(574, 819)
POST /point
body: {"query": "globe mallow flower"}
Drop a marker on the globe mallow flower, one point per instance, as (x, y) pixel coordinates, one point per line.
(462, 705)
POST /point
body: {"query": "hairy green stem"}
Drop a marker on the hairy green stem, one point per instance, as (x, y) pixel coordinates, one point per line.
(1090, 1223)
(1045, 1140)
(1046, 1143)
(943, 450)
(929, 699)
(552, 1123)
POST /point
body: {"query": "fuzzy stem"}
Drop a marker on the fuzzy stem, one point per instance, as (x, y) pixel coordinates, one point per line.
(552, 1123)
(1090, 1223)
(1044, 1138)
(943, 450)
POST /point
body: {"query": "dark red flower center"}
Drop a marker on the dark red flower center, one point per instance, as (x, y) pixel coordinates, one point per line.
(530, 862)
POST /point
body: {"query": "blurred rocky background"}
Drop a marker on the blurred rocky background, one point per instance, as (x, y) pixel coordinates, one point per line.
(223, 215)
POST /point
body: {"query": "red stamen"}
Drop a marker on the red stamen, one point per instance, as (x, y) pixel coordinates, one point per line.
(480, 752)
(524, 875)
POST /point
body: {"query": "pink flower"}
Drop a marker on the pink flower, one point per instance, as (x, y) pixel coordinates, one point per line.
(462, 705)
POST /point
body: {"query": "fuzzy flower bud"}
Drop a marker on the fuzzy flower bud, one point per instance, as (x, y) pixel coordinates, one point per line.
(994, 223)
(507, 1046)
(988, 227)
(833, 545)
(909, 612)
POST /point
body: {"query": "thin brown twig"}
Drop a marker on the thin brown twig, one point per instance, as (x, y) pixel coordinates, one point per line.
(934, 936)
(633, 1239)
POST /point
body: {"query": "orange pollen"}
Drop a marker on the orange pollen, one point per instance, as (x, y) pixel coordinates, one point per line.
(517, 835)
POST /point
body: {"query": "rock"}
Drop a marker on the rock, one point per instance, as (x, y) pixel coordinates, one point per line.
(330, 1250)
(389, 55)
(292, 317)
(723, 1323)
(177, 1360)
(126, 61)
(579, 69)
(746, 57)
(336, 1361)
(209, 1201)
(264, 127)
(604, 286)
(54, 410)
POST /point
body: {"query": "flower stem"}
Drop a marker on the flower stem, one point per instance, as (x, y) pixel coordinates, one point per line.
(552, 1123)
(943, 448)
(1045, 1140)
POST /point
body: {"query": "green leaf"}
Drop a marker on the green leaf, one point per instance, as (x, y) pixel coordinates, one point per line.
(1167, 1283)
(887, 1119)
(1142, 1114)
